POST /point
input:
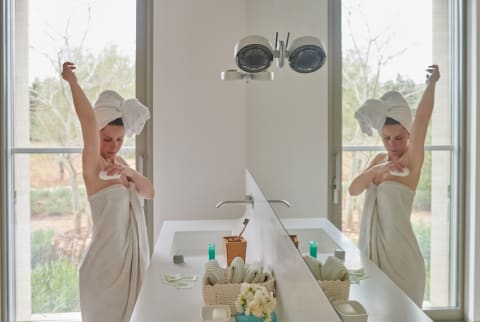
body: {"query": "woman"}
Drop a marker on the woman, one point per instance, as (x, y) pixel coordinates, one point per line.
(390, 180)
(113, 267)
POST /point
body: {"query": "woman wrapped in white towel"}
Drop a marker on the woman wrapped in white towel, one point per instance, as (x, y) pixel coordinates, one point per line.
(390, 181)
(113, 267)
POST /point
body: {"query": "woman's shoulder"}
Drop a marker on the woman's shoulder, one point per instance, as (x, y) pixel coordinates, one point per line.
(120, 160)
(376, 159)
(379, 157)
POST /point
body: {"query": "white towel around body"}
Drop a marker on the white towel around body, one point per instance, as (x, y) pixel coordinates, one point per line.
(112, 269)
(387, 238)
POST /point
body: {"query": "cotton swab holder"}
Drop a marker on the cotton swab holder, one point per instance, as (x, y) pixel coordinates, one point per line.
(234, 247)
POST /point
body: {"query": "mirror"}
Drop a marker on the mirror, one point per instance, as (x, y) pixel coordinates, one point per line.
(289, 127)
(287, 118)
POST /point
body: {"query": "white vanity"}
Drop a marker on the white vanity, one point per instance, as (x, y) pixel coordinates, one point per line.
(300, 298)
(161, 302)
(382, 299)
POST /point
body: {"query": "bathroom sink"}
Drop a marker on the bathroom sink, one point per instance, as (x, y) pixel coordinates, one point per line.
(195, 243)
(325, 244)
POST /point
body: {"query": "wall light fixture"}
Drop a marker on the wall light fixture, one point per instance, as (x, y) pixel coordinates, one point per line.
(254, 55)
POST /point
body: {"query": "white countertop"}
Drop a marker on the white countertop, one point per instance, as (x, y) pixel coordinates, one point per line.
(161, 302)
(382, 299)
(157, 301)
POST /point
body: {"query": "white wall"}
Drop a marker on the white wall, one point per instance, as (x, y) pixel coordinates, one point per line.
(200, 126)
(287, 119)
(199, 120)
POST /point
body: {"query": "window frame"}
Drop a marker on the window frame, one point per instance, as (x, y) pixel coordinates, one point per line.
(6, 166)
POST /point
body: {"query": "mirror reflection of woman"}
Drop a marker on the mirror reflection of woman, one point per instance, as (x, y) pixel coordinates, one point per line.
(390, 180)
(112, 269)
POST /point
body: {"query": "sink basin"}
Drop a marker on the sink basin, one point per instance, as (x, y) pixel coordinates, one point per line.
(195, 243)
(325, 244)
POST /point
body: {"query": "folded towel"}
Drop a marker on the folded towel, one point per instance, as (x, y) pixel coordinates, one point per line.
(334, 270)
(356, 275)
(214, 274)
(373, 113)
(315, 266)
(253, 273)
(180, 280)
(236, 271)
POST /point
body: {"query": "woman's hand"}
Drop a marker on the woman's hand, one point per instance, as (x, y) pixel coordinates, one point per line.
(68, 72)
(388, 167)
(433, 74)
(116, 168)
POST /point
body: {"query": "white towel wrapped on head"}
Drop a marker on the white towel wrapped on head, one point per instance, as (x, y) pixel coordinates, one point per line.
(373, 113)
(111, 106)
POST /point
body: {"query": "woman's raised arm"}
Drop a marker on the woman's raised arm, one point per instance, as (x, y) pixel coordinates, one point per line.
(422, 118)
(88, 122)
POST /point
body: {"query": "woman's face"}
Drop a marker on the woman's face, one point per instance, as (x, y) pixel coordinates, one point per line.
(111, 140)
(395, 140)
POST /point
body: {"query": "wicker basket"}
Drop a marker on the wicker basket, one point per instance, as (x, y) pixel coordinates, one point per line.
(227, 293)
(336, 290)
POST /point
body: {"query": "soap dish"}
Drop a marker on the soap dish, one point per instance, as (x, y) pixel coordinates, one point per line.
(351, 311)
(216, 313)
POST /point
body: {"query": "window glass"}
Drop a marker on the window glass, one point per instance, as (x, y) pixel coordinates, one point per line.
(52, 224)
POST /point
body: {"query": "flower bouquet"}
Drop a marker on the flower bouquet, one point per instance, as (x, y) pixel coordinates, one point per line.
(255, 303)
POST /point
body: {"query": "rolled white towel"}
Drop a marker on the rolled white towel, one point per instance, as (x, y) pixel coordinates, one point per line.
(334, 270)
(315, 266)
(236, 271)
(253, 273)
(214, 274)
(266, 276)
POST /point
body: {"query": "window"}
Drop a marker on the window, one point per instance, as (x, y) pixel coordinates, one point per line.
(49, 216)
(386, 45)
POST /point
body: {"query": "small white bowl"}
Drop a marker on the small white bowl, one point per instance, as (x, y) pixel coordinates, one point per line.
(216, 313)
(351, 311)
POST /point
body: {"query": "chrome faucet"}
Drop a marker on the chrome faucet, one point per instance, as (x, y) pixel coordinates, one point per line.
(283, 202)
(248, 199)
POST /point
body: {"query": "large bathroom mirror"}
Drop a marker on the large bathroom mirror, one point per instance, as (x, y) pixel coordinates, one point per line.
(304, 145)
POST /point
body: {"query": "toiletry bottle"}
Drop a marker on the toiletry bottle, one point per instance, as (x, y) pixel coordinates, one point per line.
(313, 248)
(211, 251)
